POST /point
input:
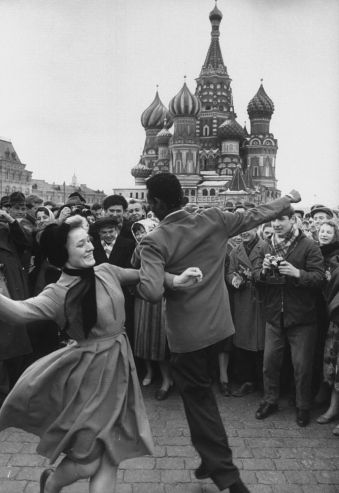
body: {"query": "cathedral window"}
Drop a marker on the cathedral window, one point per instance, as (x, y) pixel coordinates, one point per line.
(193, 192)
(136, 195)
(205, 131)
(255, 171)
(205, 192)
(208, 106)
(212, 192)
(255, 161)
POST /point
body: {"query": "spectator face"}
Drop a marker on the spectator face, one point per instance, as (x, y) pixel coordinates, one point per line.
(108, 234)
(283, 225)
(248, 236)
(319, 217)
(311, 225)
(326, 234)
(267, 233)
(18, 211)
(136, 212)
(116, 211)
(98, 213)
(139, 233)
(42, 219)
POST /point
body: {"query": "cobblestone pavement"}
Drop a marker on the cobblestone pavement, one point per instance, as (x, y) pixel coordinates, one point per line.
(274, 455)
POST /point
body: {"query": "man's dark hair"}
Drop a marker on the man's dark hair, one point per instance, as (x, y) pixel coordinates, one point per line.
(114, 200)
(289, 212)
(96, 206)
(166, 187)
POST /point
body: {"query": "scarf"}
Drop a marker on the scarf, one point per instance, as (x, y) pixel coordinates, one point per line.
(280, 246)
(80, 304)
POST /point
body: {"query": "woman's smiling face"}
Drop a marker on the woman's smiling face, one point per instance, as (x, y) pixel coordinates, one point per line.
(80, 249)
(326, 234)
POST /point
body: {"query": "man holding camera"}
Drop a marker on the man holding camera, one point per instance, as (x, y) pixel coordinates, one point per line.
(291, 270)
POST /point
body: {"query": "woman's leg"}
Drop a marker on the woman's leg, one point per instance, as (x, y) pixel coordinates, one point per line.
(149, 373)
(165, 371)
(67, 472)
(223, 366)
(333, 410)
(104, 480)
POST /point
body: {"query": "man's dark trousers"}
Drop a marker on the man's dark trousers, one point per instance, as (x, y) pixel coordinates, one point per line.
(191, 374)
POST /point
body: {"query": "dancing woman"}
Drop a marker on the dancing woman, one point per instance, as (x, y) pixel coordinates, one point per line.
(83, 400)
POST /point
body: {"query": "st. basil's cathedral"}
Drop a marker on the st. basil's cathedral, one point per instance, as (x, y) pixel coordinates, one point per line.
(217, 161)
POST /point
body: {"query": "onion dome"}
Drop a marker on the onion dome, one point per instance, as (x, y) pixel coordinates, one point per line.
(184, 103)
(155, 115)
(163, 137)
(261, 105)
(215, 14)
(230, 129)
(141, 171)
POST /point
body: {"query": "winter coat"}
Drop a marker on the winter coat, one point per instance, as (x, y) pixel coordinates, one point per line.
(293, 302)
(14, 340)
(248, 316)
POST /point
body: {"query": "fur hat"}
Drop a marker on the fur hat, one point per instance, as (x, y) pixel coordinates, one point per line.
(17, 198)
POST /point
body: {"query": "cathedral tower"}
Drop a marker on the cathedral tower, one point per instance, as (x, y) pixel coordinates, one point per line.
(261, 146)
(184, 145)
(213, 89)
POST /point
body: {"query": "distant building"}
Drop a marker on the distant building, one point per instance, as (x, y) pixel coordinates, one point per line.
(215, 158)
(14, 177)
(58, 193)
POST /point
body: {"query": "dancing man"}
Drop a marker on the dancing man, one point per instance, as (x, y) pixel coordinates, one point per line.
(200, 317)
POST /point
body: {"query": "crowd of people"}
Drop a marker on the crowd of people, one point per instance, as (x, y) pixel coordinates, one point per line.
(257, 312)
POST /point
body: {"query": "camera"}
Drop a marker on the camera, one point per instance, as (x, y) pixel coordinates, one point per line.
(273, 276)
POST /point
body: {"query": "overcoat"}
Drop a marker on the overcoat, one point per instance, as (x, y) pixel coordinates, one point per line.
(14, 340)
(248, 317)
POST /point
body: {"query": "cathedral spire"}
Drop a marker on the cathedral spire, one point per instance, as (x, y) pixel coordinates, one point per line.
(214, 60)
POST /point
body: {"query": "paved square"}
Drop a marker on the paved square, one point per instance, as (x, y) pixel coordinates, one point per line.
(274, 455)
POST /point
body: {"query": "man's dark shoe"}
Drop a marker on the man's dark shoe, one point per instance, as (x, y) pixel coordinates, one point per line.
(224, 389)
(265, 410)
(246, 388)
(303, 417)
(238, 487)
(201, 473)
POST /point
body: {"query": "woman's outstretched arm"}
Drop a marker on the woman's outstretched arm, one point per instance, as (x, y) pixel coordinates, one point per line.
(41, 307)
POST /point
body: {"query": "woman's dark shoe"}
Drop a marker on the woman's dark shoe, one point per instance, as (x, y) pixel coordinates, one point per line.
(246, 388)
(201, 473)
(303, 417)
(162, 394)
(323, 419)
(224, 389)
(43, 478)
(265, 410)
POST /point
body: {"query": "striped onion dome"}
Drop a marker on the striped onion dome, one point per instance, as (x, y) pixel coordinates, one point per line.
(184, 103)
(141, 171)
(155, 115)
(260, 105)
(230, 129)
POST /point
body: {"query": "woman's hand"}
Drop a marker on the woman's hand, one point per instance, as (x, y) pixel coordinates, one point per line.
(188, 278)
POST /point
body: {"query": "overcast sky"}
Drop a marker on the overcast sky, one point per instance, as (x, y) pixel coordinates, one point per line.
(77, 74)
